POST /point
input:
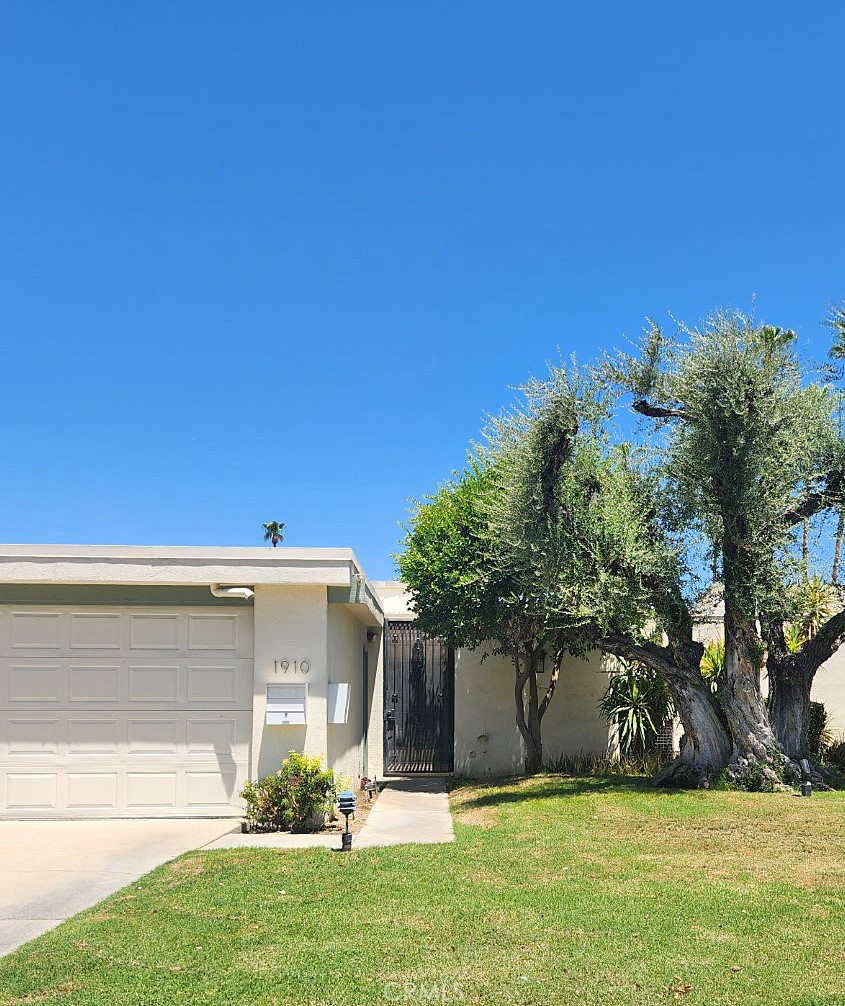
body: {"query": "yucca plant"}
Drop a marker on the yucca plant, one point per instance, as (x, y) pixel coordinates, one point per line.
(793, 636)
(713, 663)
(814, 600)
(637, 702)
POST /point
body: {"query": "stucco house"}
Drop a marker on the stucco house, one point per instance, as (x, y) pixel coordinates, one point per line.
(141, 681)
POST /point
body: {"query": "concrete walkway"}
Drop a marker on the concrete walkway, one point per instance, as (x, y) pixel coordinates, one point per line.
(50, 870)
(407, 811)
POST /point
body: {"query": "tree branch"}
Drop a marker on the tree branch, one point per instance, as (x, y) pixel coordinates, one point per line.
(664, 659)
(808, 507)
(824, 644)
(547, 698)
(646, 408)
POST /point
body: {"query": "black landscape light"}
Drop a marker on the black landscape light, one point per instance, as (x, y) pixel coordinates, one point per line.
(346, 802)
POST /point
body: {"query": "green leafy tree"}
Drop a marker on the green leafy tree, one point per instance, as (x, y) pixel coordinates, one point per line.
(542, 545)
(273, 532)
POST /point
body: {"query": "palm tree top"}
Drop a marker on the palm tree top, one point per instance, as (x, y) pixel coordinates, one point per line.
(273, 531)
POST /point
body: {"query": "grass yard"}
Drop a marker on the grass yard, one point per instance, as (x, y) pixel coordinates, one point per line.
(556, 891)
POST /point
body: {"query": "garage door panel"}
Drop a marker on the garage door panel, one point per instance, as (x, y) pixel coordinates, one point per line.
(154, 736)
(153, 683)
(99, 684)
(151, 789)
(154, 632)
(36, 630)
(92, 789)
(91, 736)
(217, 736)
(32, 790)
(215, 685)
(95, 630)
(37, 738)
(36, 683)
(213, 632)
(124, 712)
(209, 789)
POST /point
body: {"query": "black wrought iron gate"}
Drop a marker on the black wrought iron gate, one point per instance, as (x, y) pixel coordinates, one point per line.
(419, 701)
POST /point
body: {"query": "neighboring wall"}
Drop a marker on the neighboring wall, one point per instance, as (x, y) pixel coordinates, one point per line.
(829, 687)
(487, 739)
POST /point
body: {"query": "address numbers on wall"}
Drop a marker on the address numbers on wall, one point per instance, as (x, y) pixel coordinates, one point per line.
(291, 666)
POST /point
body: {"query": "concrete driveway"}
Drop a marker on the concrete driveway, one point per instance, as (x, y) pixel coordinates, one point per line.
(50, 870)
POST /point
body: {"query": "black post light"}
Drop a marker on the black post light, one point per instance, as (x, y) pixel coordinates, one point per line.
(346, 802)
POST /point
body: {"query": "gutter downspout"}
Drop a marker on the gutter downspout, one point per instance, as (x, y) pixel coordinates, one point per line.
(242, 593)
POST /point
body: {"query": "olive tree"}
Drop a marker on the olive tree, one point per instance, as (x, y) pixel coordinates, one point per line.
(748, 450)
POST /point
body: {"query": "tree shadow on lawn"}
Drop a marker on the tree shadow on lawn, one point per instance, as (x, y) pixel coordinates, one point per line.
(539, 788)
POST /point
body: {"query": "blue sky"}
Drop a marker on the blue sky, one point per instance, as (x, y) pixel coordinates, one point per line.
(276, 261)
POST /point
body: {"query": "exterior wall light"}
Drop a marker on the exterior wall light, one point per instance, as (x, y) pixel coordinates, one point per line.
(346, 802)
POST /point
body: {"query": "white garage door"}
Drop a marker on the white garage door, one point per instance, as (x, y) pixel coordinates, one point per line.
(139, 712)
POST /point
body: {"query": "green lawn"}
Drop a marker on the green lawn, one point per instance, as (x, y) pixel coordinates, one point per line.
(556, 891)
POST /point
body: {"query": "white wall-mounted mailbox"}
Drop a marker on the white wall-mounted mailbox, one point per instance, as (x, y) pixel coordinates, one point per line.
(338, 711)
(287, 704)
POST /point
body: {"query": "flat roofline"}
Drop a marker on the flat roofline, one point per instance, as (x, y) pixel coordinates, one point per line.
(173, 552)
(178, 565)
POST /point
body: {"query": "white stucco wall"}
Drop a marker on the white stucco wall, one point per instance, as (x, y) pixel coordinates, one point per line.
(291, 623)
(346, 640)
(375, 743)
(487, 739)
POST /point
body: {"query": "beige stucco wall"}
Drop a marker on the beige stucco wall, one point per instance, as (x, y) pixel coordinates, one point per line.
(291, 623)
(346, 640)
(829, 687)
(297, 623)
(375, 744)
(487, 739)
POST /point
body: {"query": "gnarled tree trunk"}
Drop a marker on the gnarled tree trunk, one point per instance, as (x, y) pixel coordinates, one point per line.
(789, 708)
(740, 696)
(791, 678)
(705, 745)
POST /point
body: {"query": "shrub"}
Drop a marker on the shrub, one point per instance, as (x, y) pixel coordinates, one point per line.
(296, 798)
(835, 755)
(588, 763)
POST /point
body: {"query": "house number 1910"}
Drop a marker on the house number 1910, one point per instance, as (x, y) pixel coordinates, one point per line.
(286, 666)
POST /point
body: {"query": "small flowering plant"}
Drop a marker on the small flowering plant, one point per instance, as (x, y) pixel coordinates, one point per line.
(296, 798)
